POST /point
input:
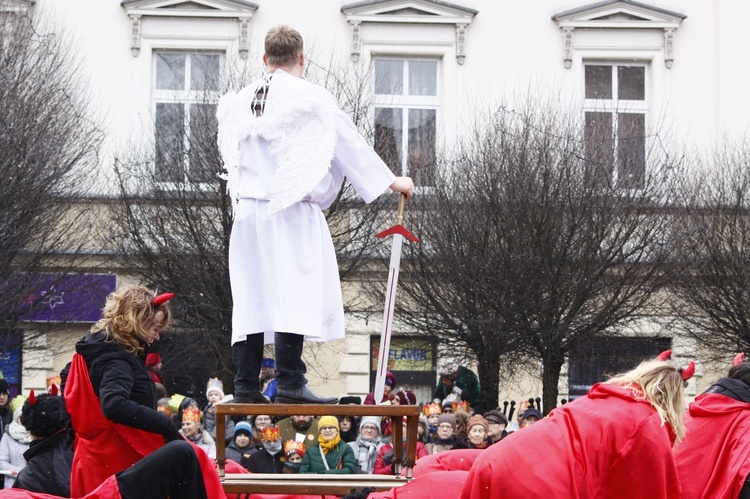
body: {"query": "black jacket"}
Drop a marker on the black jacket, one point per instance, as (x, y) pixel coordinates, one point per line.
(732, 388)
(6, 417)
(263, 462)
(124, 386)
(48, 463)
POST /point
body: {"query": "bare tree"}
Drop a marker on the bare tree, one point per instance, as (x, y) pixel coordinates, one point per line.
(49, 142)
(532, 246)
(712, 243)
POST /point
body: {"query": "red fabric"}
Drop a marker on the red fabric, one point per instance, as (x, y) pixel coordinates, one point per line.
(435, 485)
(604, 445)
(452, 460)
(157, 378)
(102, 447)
(382, 469)
(714, 459)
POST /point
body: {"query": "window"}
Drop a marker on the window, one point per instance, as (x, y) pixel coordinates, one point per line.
(406, 104)
(615, 122)
(186, 89)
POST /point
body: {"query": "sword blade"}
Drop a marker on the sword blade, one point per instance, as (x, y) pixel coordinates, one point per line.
(390, 302)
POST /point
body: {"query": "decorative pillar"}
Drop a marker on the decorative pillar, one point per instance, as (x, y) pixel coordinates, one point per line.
(568, 46)
(356, 40)
(244, 44)
(668, 47)
(460, 43)
(135, 34)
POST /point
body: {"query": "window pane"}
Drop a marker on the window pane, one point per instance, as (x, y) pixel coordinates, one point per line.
(421, 145)
(170, 144)
(388, 136)
(422, 77)
(599, 147)
(204, 71)
(389, 77)
(631, 149)
(204, 154)
(598, 82)
(170, 71)
(631, 82)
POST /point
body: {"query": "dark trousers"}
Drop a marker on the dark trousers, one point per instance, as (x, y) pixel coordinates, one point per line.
(248, 355)
(173, 471)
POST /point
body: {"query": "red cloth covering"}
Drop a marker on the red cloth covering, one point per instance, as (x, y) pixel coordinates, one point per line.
(434, 485)
(102, 447)
(605, 445)
(452, 460)
(714, 459)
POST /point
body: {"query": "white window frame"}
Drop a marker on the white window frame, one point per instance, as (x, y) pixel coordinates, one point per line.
(406, 102)
(187, 97)
(615, 106)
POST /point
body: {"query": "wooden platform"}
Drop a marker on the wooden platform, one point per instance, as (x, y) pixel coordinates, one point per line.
(262, 483)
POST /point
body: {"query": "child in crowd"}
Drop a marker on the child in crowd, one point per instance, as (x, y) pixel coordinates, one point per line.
(293, 453)
(241, 447)
(215, 395)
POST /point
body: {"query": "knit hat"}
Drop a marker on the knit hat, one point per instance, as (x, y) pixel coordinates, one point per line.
(328, 421)
(4, 386)
(477, 419)
(152, 359)
(294, 447)
(406, 397)
(350, 400)
(448, 402)
(495, 417)
(390, 379)
(243, 427)
(531, 412)
(373, 420)
(269, 363)
(215, 385)
(447, 418)
(271, 432)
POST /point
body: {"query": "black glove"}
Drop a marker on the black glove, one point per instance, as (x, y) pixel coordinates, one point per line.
(388, 458)
(172, 433)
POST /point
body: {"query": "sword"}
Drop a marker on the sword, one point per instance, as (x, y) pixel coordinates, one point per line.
(399, 232)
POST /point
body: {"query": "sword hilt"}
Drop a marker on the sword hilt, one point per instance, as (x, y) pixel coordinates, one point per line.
(401, 207)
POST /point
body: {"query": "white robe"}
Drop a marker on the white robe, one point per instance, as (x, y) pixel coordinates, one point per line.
(284, 168)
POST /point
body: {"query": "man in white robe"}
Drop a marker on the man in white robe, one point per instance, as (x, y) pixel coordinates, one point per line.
(287, 147)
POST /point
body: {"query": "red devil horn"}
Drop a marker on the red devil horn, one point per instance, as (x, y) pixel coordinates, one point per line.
(32, 398)
(664, 356)
(738, 358)
(53, 390)
(162, 298)
(688, 372)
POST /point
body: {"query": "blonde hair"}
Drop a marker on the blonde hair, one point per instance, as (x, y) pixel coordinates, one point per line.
(661, 384)
(125, 314)
(283, 46)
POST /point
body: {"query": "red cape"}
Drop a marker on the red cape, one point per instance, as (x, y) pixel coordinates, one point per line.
(714, 459)
(604, 445)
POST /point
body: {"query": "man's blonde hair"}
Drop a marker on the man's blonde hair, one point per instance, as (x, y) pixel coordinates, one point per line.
(283, 46)
(661, 384)
(125, 314)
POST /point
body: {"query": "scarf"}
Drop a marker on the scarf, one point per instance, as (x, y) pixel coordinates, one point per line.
(367, 453)
(327, 445)
(272, 448)
(292, 467)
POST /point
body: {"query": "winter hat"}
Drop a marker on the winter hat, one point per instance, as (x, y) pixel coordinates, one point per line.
(447, 367)
(152, 359)
(215, 385)
(350, 400)
(373, 420)
(269, 363)
(406, 397)
(532, 412)
(390, 379)
(448, 402)
(45, 416)
(4, 386)
(243, 427)
(477, 419)
(447, 418)
(495, 417)
(328, 421)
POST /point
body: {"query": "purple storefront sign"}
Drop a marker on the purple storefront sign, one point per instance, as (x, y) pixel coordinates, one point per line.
(60, 297)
